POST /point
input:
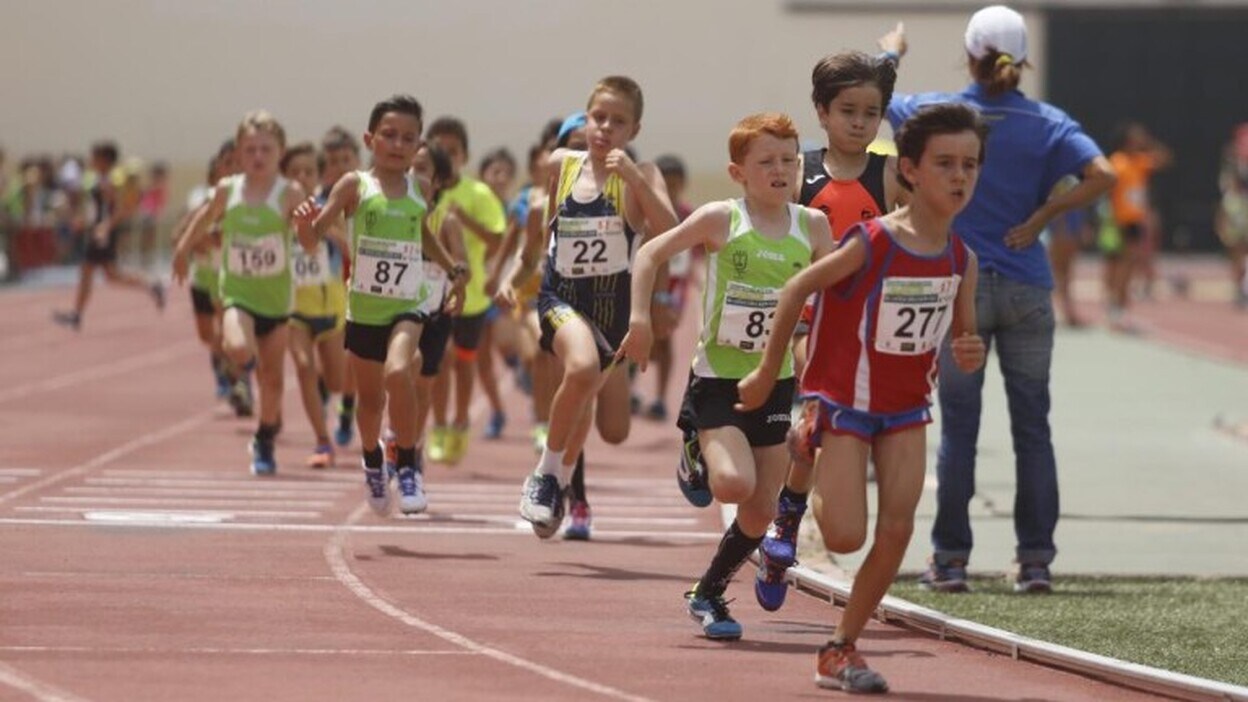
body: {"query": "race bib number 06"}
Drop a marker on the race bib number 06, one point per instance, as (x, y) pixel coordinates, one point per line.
(746, 317)
(387, 268)
(310, 269)
(257, 257)
(914, 314)
(590, 246)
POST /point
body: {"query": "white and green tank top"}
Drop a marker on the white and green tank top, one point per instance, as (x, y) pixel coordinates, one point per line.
(206, 264)
(386, 276)
(743, 283)
(255, 246)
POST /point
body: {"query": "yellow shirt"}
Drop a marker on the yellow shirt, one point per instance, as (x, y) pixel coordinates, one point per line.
(478, 202)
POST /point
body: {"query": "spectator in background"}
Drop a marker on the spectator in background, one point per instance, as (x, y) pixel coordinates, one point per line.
(152, 202)
(1137, 156)
(1031, 146)
(1231, 220)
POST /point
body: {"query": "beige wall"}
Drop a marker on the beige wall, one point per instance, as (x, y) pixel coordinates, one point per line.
(170, 78)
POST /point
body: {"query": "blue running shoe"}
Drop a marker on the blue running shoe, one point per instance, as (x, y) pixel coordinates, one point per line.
(262, 461)
(494, 428)
(541, 504)
(345, 430)
(780, 543)
(770, 588)
(691, 474)
(376, 480)
(1033, 578)
(711, 613)
(581, 521)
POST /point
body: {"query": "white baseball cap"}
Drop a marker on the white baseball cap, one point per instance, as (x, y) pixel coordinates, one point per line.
(997, 28)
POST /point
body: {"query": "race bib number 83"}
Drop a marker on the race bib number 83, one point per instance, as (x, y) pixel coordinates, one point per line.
(746, 317)
(257, 257)
(387, 268)
(590, 246)
(914, 314)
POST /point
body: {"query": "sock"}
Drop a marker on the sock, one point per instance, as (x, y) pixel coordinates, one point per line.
(578, 479)
(407, 457)
(347, 407)
(373, 458)
(734, 548)
(798, 498)
(266, 432)
(551, 463)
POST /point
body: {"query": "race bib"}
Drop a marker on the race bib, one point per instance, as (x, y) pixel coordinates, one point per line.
(590, 246)
(258, 257)
(387, 268)
(746, 317)
(310, 269)
(436, 285)
(914, 314)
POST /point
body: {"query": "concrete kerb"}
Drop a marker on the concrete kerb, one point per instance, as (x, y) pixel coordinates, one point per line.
(897, 611)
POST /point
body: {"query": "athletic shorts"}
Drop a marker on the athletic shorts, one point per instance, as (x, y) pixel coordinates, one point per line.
(102, 253)
(202, 303)
(318, 327)
(1132, 233)
(433, 338)
(708, 404)
(554, 313)
(371, 341)
(467, 331)
(264, 325)
(866, 426)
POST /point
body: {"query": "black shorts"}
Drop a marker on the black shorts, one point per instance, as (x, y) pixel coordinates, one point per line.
(1132, 233)
(708, 404)
(100, 254)
(264, 325)
(554, 313)
(433, 338)
(201, 302)
(467, 331)
(316, 326)
(371, 341)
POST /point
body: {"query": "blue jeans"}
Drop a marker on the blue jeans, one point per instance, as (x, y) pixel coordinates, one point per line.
(1018, 320)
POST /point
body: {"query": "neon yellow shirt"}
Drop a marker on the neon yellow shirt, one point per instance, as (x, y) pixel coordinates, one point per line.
(479, 202)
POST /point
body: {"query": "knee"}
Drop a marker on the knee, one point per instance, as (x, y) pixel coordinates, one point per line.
(839, 538)
(238, 353)
(397, 375)
(581, 376)
(614, 433)
(733, 489)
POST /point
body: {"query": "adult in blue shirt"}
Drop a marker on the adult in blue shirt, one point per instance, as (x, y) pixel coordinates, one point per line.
(1031, 146)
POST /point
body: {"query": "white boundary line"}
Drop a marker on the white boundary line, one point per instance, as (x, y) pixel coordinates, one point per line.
(334, 548)
(41, 691)
(101, 371)
(1112, 670)
(235, 651)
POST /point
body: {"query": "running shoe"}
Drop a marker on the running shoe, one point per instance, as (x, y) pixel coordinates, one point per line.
(223, 384)
(711, 613)
(157, 290)
(456, 445)
(263, 462)
(841, 667)
(524, 380)
(691, 474)
(581, 521)
(346, 428)
(378, 495)
(322, 456)
(657, 411)
(412, 498)
(241, 400)
(950, 577)
(1033, 579)
(780, 543)
(435, 449)
(68, 319)
(390, 452)
(541, 504)
(540, 430)
(494, 428)
(770, 589)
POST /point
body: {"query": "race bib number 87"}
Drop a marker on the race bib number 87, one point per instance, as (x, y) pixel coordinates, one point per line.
(915, 314)
(257, 257)
(387, 268)
(590, 246)
(746, 317)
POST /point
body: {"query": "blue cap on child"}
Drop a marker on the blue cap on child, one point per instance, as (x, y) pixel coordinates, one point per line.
(575, 121)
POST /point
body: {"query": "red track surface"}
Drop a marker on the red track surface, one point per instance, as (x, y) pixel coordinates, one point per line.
(289, 589)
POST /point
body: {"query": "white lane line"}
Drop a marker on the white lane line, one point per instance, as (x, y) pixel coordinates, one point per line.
(235, 651)
(113, 454)
(126, 365)
(334, 555)
(223, 484)
(317, 478)
(599, 519)
(20, 472)
(405, 527)
(8, 479)
(436, 495)
(257, 491)
(183, 501)
(139, 575)
(227, 515)
(41, 691)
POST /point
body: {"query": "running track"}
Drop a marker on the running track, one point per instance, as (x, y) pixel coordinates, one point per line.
(142, 561)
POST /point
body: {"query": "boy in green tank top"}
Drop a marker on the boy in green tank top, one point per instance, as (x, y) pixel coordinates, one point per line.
(754, 245)
(386, 209)
(253, 209)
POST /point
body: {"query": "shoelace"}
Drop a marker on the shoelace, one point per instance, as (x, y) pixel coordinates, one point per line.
(409, 480)
(376, 479)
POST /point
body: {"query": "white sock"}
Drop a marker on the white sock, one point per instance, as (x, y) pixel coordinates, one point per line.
(552, 464)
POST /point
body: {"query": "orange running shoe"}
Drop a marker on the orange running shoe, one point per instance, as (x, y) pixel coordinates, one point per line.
(841, 667)
(322, 457)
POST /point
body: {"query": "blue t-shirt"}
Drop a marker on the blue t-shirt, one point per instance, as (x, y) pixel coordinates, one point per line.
(1031, 146)
(518, 210)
